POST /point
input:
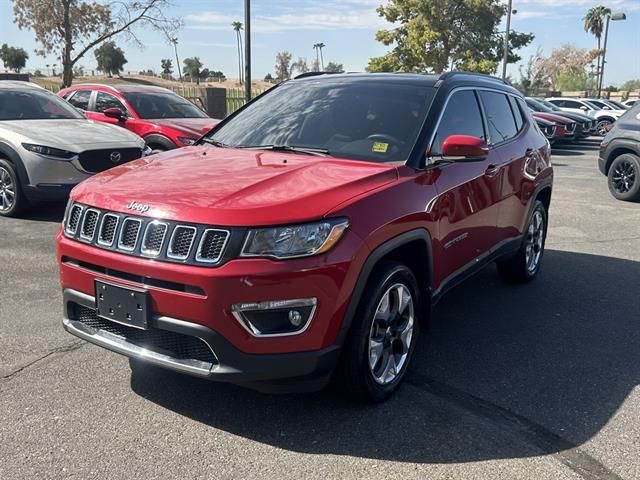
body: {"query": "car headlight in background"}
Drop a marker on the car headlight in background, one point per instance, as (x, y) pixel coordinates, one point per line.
(49, 151)
(294, 241)
(187, 140)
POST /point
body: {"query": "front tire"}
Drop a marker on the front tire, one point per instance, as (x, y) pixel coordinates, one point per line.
(624, 178)
(383, 336)
(603, 126)
(525, 264)
(12, 199)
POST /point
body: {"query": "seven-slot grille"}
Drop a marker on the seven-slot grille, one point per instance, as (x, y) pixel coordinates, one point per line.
(147, 237)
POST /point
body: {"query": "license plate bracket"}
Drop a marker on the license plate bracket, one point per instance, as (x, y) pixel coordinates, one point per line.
(125, 305)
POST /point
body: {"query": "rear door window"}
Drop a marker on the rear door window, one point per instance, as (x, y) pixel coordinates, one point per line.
(500, 119)
(80, 99)
(461, 117)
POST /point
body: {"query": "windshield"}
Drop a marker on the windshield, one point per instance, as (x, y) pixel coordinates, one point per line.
(376, 121)
(539, 106)
(617, 105)
(595, 104)
(34, 104)
(162, 105)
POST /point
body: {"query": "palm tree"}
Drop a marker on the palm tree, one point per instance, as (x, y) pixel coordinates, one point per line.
(594, 24)
(237, 27)
(319, 60)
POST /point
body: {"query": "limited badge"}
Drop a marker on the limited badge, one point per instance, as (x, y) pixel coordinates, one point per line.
(380, 147)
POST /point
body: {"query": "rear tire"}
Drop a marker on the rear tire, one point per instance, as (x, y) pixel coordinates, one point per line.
(524, 266)
(383, 335)
(624, 178)
(12, 199)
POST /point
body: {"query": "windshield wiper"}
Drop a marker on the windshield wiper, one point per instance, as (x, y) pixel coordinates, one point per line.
(320, 152)
(215, 143)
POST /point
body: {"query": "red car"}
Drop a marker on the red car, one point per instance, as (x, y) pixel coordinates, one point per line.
(165, 120)
(308, 235)
(566, 128)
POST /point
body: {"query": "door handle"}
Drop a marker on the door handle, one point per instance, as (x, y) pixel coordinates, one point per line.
(492, 170)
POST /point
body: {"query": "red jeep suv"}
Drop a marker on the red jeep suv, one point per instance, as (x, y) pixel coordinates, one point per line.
(165, 120)
(308, 235)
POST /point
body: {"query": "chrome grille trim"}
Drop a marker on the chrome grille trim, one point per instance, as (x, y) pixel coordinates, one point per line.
(123, 232)
(140, 236)
(170, 248)
(73, 221)
(101, 238)
(212, 231)
(92, 228)
(154, 251)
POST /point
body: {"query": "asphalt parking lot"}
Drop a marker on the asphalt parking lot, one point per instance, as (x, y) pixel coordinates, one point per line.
(512, 382)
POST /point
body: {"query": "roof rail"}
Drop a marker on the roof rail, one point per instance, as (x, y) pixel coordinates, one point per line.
(448, 75)
(313, 74)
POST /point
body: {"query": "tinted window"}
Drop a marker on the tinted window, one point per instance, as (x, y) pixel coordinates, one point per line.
(80, 99)
(502, 125)
(517, 114)
(599, 104)
(569, 104)
(34, 104)
(105, 100)
(162, 105)
(461, 117)
(369, 119)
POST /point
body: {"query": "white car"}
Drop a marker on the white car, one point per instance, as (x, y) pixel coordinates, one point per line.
(604, 117)
(47, 146)
(630, 103)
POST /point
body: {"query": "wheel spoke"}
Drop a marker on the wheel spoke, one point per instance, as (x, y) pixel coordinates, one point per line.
(403, 298)
(384, 310)
(376, 350)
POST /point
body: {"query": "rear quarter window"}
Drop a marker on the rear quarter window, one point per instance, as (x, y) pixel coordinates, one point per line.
(500, 119)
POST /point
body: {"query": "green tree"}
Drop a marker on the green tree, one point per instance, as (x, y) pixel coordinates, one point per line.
(594, 24)
(237, 27)
(437, 35)
(333, 67)
(630, 85)
(68, 29)
(167, 66)
(283, 66)
(110, 58)
(192, 67)
(570, 81)
(13, 58)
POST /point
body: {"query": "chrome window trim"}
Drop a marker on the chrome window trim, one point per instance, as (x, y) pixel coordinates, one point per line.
(124, 222)
(430, 160)
(152, 253)
(237, 309)
(66, 228)
(222, 249)
(115, 233)
(193, 240)
(84, 219)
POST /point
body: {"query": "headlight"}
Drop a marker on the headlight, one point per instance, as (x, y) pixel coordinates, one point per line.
(48, 151)
(294, 241)
(187, 140)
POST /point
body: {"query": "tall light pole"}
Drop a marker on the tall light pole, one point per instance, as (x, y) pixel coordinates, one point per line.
(174, 40)
(506, 40)
(614, 17)
(247, 50)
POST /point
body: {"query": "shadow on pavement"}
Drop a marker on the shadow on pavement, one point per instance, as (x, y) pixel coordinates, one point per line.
(546, 365)
(46, 212)
(565, 152)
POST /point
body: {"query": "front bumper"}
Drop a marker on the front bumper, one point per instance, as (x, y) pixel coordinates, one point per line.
(302, 371)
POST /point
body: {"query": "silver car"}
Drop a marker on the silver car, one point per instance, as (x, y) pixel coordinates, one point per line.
(47, 146)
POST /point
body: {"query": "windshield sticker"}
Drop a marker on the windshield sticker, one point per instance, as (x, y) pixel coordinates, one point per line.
(380, 147)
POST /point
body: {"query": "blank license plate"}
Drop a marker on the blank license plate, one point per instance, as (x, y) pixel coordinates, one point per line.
(124, 305)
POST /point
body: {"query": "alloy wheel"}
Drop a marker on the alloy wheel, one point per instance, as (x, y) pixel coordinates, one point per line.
(391, 333)
(7, 190)
(624, 177)
(534, 241)
(602, 127)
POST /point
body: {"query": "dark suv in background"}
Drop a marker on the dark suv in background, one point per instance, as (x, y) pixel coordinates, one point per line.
(310, 232)
(620, 156)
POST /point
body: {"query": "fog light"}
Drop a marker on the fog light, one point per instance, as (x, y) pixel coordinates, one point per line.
(275, 318)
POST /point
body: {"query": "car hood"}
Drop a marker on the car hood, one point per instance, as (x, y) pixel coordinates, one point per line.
(553, 117)
(231, 187)
(73, 135)
(193, 126)
(578, 117)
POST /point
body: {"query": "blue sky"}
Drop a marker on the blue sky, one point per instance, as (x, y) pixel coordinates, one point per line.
(347, 27)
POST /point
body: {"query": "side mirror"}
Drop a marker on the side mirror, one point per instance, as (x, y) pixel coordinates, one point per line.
(114, 112)
(464, 148)
(584, 108)
(606, 108)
